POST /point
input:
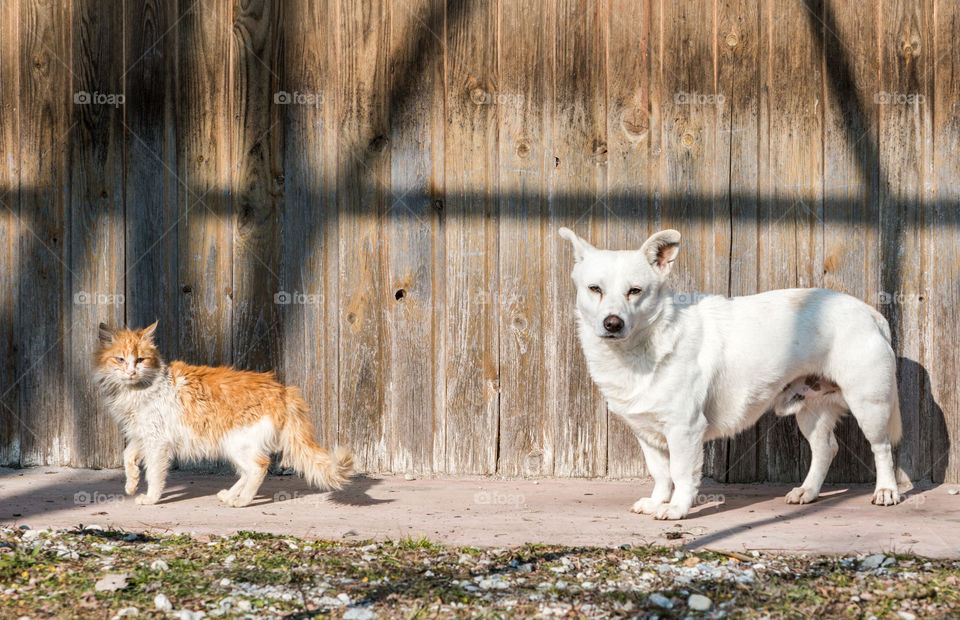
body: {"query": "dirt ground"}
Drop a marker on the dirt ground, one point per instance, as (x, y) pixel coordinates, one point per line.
(495, 513)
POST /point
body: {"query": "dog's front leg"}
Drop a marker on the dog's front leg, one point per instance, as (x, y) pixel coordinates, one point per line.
(686, 462)
(658, 464)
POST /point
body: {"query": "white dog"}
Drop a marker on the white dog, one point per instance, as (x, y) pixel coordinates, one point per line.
(685, 372)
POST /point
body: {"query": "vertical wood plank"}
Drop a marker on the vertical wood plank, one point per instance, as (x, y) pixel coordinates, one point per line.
(851, 177)
(10, 229)
(791, 181)
(412, 228)
(96, 225)
(309, 299)
(526, 159)
(903, 145)
(694, 168)
(941, 329)
(256, 182)
(577, 200)
(150, 168)
(630, 216)
(364, 165)
(738, 81)
(42, 320)
(205, 244)
(471, 375)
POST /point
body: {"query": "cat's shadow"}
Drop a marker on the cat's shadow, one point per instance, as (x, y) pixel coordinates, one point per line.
(277, 489)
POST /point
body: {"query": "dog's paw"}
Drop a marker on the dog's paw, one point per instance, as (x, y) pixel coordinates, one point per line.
(645, 506)
(669, 512)
(145, 500)
(239, 502)
(886, 497)
(800, 495)
(224, 496)
(131, 486)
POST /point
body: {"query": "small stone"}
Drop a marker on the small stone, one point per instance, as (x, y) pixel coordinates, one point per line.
(111, 583)
(660, 600)
(699, 602)
(128, 611)
(159, 565)
(94, 528)
(249, 544)
(409, 476)
(873, 561)
(230, 559)
(953, 491)
(344, 598)
(866, 596)
(24, 527)
(244, 605)
(536, 482)
(906, 615)
(186, 614)
(162, 603)
(131, 537)
(359, 613)
(224, 582)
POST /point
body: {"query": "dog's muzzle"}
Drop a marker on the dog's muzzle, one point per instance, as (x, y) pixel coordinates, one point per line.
(613, 324)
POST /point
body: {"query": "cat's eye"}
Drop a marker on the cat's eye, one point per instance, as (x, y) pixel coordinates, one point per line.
(634, 291)
(140, 360)
(119, 359)
(596, 289)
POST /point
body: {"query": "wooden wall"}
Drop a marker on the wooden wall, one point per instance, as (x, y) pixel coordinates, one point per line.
(396, 172)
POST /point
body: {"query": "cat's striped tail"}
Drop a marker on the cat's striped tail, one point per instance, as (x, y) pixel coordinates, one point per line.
(310, 460)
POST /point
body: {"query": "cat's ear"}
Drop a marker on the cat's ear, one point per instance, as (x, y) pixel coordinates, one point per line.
(149, 330)
(106, 335)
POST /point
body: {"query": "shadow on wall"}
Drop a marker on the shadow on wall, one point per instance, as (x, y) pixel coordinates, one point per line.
(930, 433)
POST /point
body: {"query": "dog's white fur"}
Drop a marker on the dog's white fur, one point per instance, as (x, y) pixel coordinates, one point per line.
(683, 370)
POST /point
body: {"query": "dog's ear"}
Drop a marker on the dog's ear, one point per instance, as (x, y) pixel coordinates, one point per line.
(580, 247)
(106, 335)
(660, 250)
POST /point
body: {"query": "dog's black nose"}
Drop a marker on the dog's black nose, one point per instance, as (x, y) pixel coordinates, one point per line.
(613, 324)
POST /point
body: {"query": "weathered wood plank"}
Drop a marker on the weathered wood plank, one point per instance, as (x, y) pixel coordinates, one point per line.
(526, 159)
(256, 182)
(205, 243)
(412, 228)
(791, 182)
(694, 168)
(42, 322)
(903, 147)
(577, 200)
(851, 177)
(96, 224)
(10, 228)
(940, 380)
(364, 165)
(630, 217)
(738, 81)
(309, 299)
(471, 373)
(150, 169)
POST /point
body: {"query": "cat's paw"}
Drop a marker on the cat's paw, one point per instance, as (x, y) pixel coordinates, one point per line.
(645, 506)
(146, 500)
(224, 496)
(800, 495)
(131, 486)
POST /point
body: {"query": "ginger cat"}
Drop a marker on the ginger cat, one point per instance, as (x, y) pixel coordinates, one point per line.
(194, 412)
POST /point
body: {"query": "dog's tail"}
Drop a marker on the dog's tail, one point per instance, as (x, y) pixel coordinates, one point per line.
(301, 451)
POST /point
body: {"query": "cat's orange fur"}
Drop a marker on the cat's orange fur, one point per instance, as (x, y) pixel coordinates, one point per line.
(204, 412)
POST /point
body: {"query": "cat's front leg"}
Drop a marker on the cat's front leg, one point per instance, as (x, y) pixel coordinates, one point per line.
(131, 464)
(156, 461)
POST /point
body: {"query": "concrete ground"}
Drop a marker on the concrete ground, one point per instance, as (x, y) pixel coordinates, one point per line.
(486, 512)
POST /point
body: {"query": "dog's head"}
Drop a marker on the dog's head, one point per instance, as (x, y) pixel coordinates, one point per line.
(619, 292)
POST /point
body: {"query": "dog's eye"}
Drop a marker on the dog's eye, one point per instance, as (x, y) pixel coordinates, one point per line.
(634, 291)
(596, 289)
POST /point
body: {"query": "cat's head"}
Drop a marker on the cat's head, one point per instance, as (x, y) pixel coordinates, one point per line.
(128, 356)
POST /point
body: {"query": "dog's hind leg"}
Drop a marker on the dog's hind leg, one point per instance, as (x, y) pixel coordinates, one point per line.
(873, 416)
(658, 464)
(817, 426)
